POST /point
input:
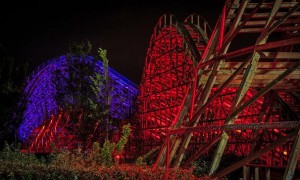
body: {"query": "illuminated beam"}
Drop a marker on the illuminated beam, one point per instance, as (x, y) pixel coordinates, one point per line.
(281, 19)
(264, 115)
(246, 81)
(255, 155)
(233, 127)
(200, 152)
(189, 98)
(232, 33)
(178, 120)
(268, 5)
(210, 83)
(266, 14)
(263, 91)
(250, 49)
(231, 117)
(278, 29)
(219, 91)
(262, 22)
(293, 159)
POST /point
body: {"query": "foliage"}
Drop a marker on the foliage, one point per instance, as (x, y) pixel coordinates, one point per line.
(80, 49)
(68, 165)
(110, 147)
(97, 156)
(124, 139)
(141, 160)
(12, 154)
(107, 152)
(65, 164)
(85, 94)
(124, 171)
(200, 167)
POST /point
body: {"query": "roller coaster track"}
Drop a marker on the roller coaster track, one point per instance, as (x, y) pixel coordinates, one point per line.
(235, 89)
(46, 122)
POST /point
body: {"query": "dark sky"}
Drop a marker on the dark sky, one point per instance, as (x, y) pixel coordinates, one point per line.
(36, 31)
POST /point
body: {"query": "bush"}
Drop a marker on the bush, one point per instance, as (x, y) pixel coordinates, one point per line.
(97, 163)
(9, 170)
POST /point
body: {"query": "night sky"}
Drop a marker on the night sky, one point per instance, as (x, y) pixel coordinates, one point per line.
(41, 30)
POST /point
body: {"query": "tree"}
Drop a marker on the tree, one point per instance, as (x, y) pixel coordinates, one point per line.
(86, 94)
(101, 86)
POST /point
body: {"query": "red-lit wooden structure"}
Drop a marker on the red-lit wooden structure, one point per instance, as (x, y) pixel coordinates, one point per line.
(232, 90)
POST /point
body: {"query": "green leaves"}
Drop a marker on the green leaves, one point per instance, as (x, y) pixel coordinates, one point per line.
(124, 139)
(79, 49)
(103, 55)
(106, 153)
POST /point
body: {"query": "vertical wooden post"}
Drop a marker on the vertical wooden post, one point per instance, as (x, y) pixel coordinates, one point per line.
(245, 172)
(293, 159)
(168, 151)
(256, 173)
(268, 174)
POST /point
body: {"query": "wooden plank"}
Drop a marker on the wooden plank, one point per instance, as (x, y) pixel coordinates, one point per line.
(255, 155)
(262, 15)
(262, 84)
(263, 22)
(265, 15)
(235, 109)
(250, 49)
(264, 65)
(233, 127)
(260, 72)
(263, 91)
(278, 29)
(293, 159)
(267, 76)
(270, 5)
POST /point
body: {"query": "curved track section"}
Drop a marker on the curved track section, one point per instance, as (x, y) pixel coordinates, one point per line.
(175, 48)
(41, 88)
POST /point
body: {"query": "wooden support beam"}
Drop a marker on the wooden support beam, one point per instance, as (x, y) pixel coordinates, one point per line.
(247, 79)
(200, 152)
(178, 120)
(250, 49)
(278, 29)
(218, 35)
(219, 91)
(263, 90)
(258, 78)
(264, 116)
(257, 23)
(281, 19)
(233, 127)
(280, 55)
(244, 86)
(270, 5)
(204, 96)
(236, 30)
(266, 14)
(230, 119)
(256, 173)
(264, 65)
(293, 159)
(268, 174)
(255, 155)
(245, 172)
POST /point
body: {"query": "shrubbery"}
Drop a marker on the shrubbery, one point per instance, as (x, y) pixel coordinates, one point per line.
(122, 171)
(98, 163)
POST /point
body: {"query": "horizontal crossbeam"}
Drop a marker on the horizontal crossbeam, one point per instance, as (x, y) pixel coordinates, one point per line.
(232, 127)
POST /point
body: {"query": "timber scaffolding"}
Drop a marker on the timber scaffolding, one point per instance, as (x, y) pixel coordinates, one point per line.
(231, 90)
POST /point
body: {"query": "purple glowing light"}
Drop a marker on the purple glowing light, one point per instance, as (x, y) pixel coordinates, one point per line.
(40, 90)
